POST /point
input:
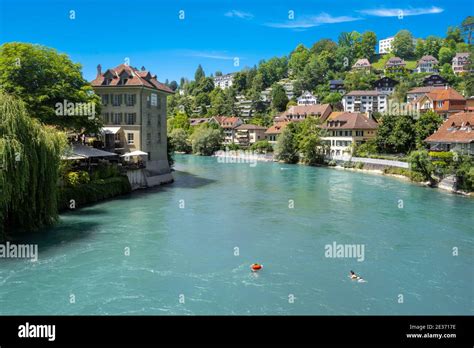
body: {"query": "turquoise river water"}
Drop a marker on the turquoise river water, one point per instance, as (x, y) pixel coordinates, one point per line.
(186, 248)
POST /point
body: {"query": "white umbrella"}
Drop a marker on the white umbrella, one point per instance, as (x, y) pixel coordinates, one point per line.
(135, 153)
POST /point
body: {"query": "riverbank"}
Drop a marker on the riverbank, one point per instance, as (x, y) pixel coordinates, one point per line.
(372, 168)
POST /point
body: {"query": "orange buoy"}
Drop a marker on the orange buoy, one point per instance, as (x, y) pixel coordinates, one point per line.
(256, 267)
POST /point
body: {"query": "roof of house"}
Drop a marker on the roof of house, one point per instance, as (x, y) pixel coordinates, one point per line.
(363, 62)
(198, 121)
(462, 55)
(277, 127)
(79, 151)
(458, 128)
(250, 127)
(350, 120)
(395, 61)
(315, 109)
(336, 82)
(134, 77)
(425, 89)
(445, 94)
(362, 93)
(427, 59)
(227, 121)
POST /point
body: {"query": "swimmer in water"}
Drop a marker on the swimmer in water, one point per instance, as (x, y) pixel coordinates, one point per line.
(354, 276)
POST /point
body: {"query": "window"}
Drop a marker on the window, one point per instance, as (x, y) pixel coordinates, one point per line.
(130, 138)
(359, 133)
(105, 99)
(159, 102)
(131, 118)
(154, 99)
(106, 117)
(440, 103)
(116, 99)
(158, 138)
(159, 121)
(148, 120)
(117, 118)
(148, 138)
(130, 99)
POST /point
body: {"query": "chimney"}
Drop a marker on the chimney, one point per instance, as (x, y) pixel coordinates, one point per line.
(143, 68)
(99, 70)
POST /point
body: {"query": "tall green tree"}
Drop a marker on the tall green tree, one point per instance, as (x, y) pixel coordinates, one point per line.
(199, 74)
(29, 161)
(42, 78)
(279, 98)
(286, 148)
(403, 46)
(298, 59)
(425, 125)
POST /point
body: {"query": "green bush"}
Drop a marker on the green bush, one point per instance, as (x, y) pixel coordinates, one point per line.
(105, 171)
(359, 165)
(232, 147)
(332, 163)
(93, 191)
(262, 146)
(72, 179)
(465, 173)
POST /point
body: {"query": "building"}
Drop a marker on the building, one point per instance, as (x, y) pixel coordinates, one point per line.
(455, 134)
(224, 81)
(365, 101)
(434, 80)
(134, 113)
(300, 112)
(445, 102)
(274, 131)
(460, 63)
(385, 45)
(307, 99)
(266, 95)
(395, 64)
(228, 125)
(337, 86)
(417, 92)
(193, 122)
(385, 84)
(344, 130)
(362, 64)
(248, 134)
(427, 64)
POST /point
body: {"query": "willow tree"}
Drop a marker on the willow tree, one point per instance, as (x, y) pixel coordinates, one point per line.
(29, 159)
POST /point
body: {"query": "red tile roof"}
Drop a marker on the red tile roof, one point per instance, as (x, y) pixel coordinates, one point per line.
(350, 120)
(445, 94)
(277, 128)
(426, 89)
(250, 127)
(227, 121)
(134, 76)
(321, 110)
(458, 128)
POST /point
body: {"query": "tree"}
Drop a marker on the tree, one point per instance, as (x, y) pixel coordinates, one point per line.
(366, 47)
(427, 124)
(402, 45)
(180, 120)
(205, 141)
(432, 45)
(286, 147)
(30, 161)
(419, 48)
(445, 55)
(173, 85)
(333, 98)
(279, 98)
(323, 45)
(218, 73)
(199, 74)
(467, 27)
(454, 33)
(43, 79)
(359, 80)
(179, 140)
(298, 60)
(420, 163)
(309, 141)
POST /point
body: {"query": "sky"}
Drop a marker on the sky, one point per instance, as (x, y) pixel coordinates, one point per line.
(170, 38)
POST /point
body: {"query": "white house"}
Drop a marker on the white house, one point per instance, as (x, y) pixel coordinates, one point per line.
(427, 64)
(307, 99)
(460, 63)
(365, 101)
(385, 45)
(224, 81)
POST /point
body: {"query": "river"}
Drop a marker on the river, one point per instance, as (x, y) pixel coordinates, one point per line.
(186, 248)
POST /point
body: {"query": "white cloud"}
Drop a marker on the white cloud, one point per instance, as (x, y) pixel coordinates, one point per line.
(313, 21)
(210, 55)
(395, 12)
(238, 14)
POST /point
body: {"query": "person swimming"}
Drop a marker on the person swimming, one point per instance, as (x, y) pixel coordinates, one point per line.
(354, 276)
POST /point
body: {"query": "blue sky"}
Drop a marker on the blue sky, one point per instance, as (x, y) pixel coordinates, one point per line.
(150, 33)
